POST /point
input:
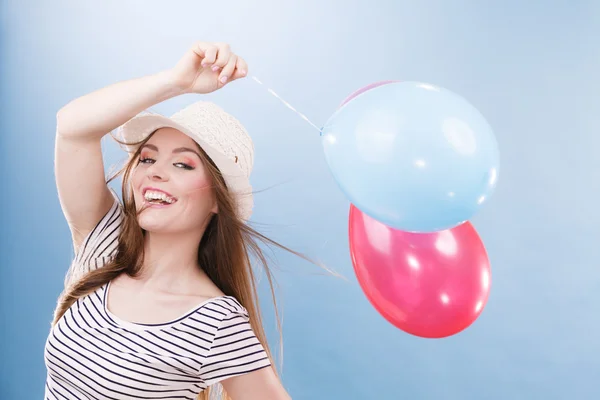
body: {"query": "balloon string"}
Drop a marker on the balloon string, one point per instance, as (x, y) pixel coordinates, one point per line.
(288, 105)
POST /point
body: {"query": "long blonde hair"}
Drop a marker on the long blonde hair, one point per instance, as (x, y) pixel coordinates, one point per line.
(224, 253)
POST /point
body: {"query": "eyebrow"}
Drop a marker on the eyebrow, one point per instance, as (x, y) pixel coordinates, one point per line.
(175, 151)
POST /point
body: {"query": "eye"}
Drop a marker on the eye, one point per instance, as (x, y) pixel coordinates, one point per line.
(148, 160)
(184, 166)
(144, 160)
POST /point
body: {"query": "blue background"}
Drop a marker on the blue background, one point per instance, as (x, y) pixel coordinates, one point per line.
(530, 67)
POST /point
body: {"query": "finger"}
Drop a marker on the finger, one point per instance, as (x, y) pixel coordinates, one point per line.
(228, 69)
(200, 49)
(241, 69)
(210, 55)
(223, 54)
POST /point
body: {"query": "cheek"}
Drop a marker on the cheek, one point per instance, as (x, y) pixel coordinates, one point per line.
(198, 186)
(135, 183)
(135, 179)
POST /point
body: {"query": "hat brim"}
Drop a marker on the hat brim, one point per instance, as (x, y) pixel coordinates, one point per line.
(140, 127)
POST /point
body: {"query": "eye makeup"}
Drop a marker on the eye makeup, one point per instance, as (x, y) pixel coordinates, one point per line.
(188, 161)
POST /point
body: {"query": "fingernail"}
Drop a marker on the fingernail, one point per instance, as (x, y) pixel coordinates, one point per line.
(205, 64)
(224, 79)
(215, 68)
(243, 72)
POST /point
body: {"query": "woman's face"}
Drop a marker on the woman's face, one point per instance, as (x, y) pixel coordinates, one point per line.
(171, 182)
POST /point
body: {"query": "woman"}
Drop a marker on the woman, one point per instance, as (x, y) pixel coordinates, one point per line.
(160, 300)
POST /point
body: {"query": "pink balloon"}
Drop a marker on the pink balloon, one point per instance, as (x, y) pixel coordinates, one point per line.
(364, 89)
(430, 285)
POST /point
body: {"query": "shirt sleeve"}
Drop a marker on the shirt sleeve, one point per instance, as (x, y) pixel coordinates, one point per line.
(99, 246)
(235, 349)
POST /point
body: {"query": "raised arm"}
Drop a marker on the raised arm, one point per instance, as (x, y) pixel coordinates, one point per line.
(81, 124)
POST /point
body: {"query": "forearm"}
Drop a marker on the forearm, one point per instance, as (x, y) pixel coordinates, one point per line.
(95, 114)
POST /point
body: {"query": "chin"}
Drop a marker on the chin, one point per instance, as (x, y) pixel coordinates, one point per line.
(153, 225)
(153, 221)
(161, 224)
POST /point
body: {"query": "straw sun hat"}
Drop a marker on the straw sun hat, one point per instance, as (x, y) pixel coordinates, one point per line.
(218, 133)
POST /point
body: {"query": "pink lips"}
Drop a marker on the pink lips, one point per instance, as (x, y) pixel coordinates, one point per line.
(150, 205)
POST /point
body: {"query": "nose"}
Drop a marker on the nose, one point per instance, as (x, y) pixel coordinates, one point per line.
(156, 173)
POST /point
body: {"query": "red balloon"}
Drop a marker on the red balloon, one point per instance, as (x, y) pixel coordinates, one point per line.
(430, 285)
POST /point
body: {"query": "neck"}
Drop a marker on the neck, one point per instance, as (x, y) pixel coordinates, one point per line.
(171, 261)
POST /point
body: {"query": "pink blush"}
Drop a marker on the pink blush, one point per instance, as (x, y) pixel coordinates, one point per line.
(200, 183)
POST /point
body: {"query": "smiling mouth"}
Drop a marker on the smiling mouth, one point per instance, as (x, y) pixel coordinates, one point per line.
(156, 198)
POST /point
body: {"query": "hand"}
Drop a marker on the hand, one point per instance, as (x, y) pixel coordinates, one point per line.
(206, 67)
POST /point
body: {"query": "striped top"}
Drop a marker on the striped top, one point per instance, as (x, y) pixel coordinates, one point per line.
(92, 354)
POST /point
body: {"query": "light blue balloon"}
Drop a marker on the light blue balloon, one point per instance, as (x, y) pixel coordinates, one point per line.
(414, 156)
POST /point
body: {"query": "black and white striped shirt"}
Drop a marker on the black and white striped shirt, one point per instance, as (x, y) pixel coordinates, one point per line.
(92, 354)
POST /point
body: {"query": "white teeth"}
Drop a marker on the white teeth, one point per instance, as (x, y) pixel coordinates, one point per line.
(153, 195)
